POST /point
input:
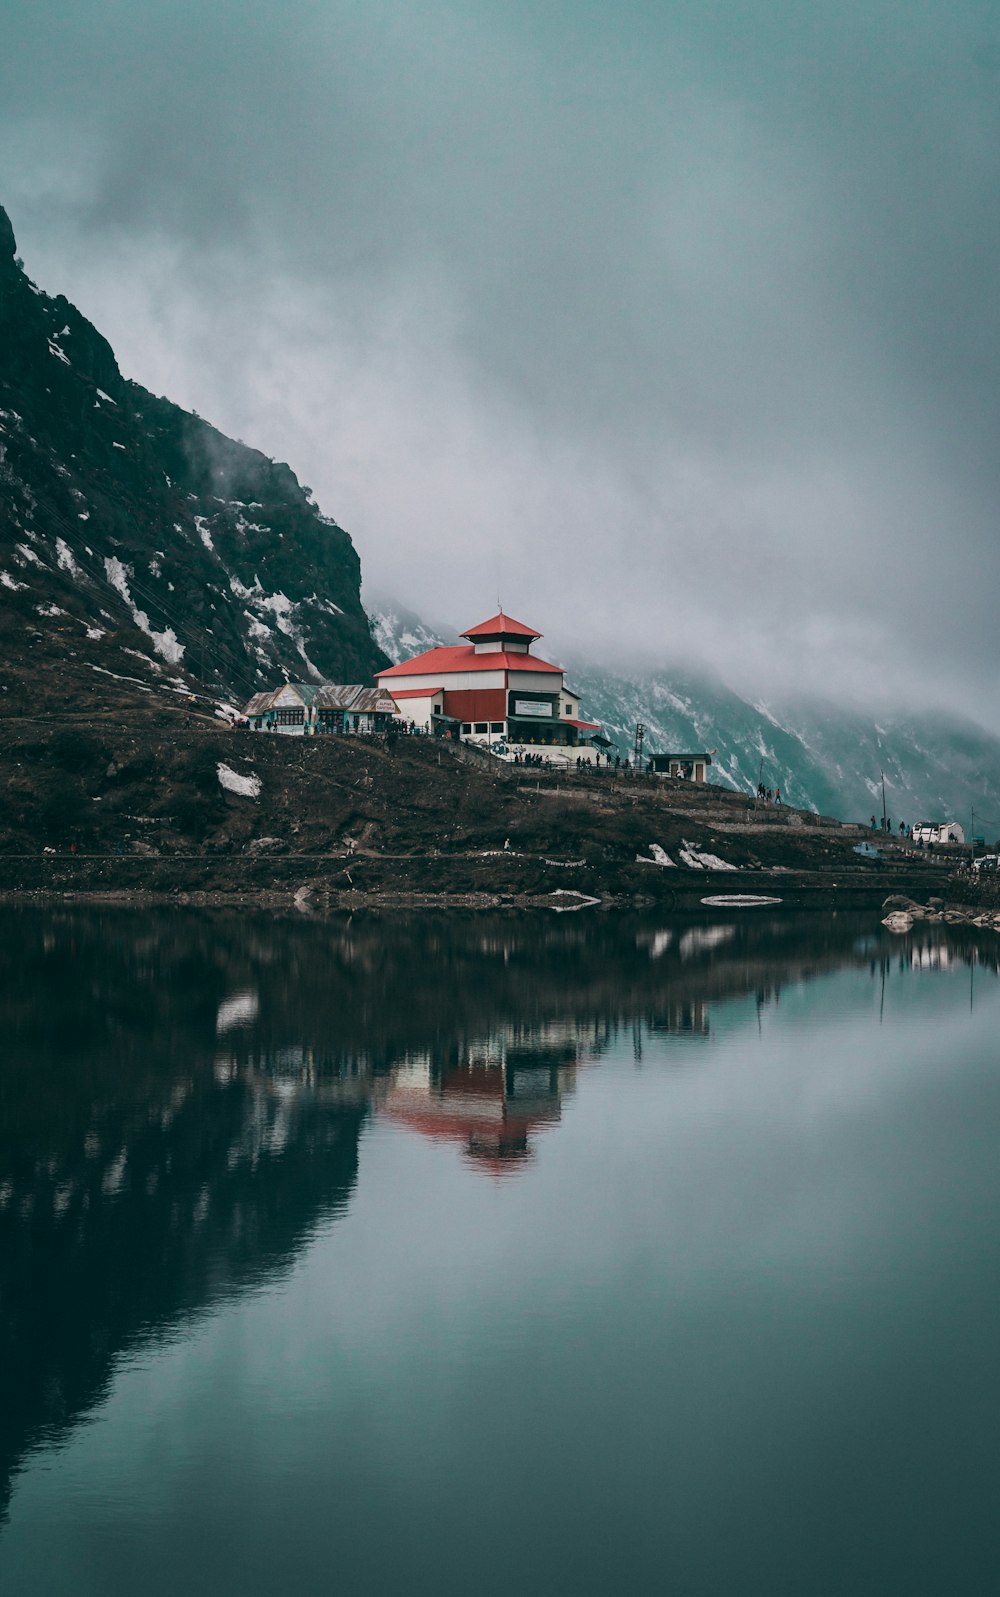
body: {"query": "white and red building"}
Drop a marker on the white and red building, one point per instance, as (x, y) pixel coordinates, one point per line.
(494, 690)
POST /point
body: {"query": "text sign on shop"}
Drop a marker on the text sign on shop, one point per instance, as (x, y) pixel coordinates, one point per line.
(531, 707)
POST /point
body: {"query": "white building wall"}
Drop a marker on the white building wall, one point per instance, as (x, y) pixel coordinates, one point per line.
(419, 711)
(535, 681)
(444, 679)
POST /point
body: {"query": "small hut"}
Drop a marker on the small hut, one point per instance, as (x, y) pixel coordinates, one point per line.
(687, 767)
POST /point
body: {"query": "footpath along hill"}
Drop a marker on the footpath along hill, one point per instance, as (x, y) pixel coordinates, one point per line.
(131, 802)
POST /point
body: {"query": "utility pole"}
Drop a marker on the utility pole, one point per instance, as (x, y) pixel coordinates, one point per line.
(885, 827)
(640, 738)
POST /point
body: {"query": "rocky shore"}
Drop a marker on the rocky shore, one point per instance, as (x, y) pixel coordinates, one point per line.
(903, 913)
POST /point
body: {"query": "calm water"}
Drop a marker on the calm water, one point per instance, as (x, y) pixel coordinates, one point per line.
(577, 1254)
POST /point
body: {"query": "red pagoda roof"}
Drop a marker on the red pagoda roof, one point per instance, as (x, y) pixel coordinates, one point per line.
(463, 657)
(501, 626)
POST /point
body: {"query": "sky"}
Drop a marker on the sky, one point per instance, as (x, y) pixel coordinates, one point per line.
(675, 326)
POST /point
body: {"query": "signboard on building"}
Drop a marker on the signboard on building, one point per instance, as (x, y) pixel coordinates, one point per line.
(532, 707)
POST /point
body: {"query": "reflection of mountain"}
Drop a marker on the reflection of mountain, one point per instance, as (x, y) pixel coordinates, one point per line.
(138, 1182)
(181, 1094)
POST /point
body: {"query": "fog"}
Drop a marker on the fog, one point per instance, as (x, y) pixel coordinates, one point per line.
(674, 327)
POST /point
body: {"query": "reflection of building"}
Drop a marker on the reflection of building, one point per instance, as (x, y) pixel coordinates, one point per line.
(684, 1018)
(933, 956)
(489, 1097)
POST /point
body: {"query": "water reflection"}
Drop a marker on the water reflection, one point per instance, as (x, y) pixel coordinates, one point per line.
(182, 1095)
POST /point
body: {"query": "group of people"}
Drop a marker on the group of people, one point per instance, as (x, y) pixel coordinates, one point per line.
(768, 795)
(885, 825)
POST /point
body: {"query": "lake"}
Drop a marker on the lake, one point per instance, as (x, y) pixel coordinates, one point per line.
(577, 1253)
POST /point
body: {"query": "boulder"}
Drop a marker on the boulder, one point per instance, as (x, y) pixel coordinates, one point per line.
(898, 901)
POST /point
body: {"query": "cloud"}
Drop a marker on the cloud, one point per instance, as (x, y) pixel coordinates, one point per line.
(677, 325)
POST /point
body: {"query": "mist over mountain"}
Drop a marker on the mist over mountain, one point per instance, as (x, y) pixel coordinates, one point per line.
(823, 756)
(137, 541)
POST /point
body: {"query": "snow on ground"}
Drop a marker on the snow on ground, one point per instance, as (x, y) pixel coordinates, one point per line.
(64, 558)
(768, 714)
(244, 526)
(106, 397)
(300, 645)
(104, 672)
(204, 534)
(257, 629)
(698, 860)
(657, 856)
(137, 654)
(8, 582)
(281, 608)
(247, 786)
(58, 353)
(165, 643)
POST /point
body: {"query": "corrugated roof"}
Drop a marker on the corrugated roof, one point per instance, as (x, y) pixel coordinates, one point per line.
(327, 696)
(463, 657)
(414, 693)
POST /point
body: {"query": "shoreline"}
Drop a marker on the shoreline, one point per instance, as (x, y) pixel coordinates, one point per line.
(313, 892)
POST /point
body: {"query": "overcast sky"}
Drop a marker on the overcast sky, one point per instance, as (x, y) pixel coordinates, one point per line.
(676, 325)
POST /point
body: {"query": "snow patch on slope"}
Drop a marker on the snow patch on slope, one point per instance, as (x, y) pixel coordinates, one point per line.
(165, 643)
(247, 786)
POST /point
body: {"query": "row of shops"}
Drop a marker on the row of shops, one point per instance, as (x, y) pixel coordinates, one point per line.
(304, 709)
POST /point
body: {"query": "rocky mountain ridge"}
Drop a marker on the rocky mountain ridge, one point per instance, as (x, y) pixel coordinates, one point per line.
(138, 542)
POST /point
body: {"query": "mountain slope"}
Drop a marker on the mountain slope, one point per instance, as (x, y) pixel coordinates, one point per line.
(822, 756)
(137, 540)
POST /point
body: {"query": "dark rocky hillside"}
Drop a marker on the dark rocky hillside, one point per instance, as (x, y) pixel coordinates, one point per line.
(138, 541)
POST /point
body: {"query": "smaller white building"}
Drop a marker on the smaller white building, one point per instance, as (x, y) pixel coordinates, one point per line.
(938, 832)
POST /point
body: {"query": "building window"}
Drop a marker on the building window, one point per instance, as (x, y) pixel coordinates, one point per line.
(482, 726)
(288, 717)
(496, 726)
(466, 726)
